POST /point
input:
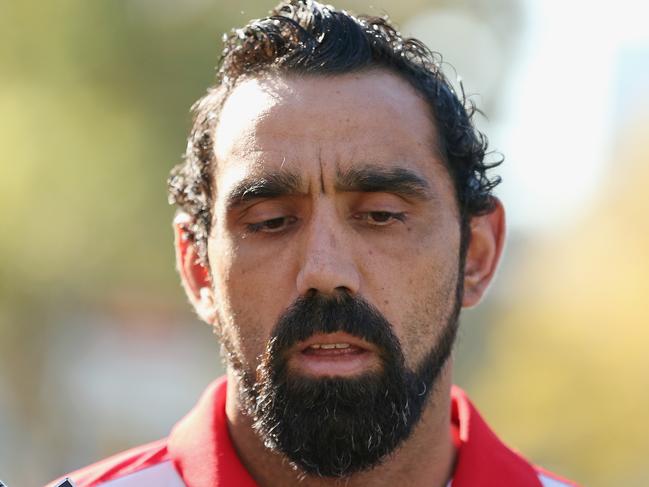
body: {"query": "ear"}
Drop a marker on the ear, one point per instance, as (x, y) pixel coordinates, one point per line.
(194, 276)
(485, 248)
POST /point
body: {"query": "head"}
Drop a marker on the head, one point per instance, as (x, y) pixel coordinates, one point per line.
(334, 216)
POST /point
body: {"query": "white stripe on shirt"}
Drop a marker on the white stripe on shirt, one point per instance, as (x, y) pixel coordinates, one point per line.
(550, 482)
(160, 475)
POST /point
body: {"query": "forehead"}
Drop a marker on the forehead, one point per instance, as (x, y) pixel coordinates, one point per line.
(324, 122)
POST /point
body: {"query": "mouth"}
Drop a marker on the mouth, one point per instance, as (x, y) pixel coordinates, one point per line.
(333, 355)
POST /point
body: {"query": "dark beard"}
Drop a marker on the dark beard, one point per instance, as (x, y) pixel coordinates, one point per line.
(334, 427)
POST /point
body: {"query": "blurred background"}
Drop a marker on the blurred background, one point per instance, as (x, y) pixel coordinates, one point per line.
(98, 348)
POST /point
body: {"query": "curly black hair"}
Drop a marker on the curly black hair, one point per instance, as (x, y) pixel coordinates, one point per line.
(306, 37)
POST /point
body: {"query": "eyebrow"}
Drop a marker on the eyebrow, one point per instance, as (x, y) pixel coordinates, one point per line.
(367, 179)
(268, 185)
(373, 179)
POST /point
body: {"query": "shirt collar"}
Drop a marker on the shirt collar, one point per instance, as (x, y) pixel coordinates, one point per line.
(203, 452)
(201, 447)
(482, 459)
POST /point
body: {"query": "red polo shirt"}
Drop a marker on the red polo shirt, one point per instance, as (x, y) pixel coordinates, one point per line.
(200, 453)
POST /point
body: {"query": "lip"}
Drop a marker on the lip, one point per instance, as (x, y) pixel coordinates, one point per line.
(360, 357)
(337, 337)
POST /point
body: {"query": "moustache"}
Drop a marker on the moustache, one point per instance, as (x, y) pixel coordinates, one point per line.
(317, 313)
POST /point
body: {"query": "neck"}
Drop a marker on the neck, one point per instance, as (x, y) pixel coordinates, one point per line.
(426, 458)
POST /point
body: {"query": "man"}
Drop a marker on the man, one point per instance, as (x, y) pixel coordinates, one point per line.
(334, 217)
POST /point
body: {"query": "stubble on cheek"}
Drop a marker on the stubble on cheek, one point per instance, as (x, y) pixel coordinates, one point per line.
(224, 257)
(431, 308)
(243, 339)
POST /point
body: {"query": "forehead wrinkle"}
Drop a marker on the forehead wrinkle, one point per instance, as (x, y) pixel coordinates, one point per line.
(322, 183)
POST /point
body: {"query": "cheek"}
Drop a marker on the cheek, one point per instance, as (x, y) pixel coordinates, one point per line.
(247, 298)
(415, 261)
(427, 312)
(417, 290)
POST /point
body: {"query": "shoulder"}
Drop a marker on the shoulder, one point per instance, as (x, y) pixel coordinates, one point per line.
(484, 460)
(148, 464)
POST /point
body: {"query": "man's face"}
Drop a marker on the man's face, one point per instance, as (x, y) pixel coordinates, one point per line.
(330, 187)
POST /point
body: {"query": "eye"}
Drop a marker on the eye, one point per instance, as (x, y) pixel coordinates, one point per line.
(379, 218)
(274, 225)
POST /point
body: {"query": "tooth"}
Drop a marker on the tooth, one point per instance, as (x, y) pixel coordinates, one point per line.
(342, 345)
(328, 346)
(315, 345)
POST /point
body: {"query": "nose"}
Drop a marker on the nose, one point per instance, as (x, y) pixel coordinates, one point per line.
(327, 265)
